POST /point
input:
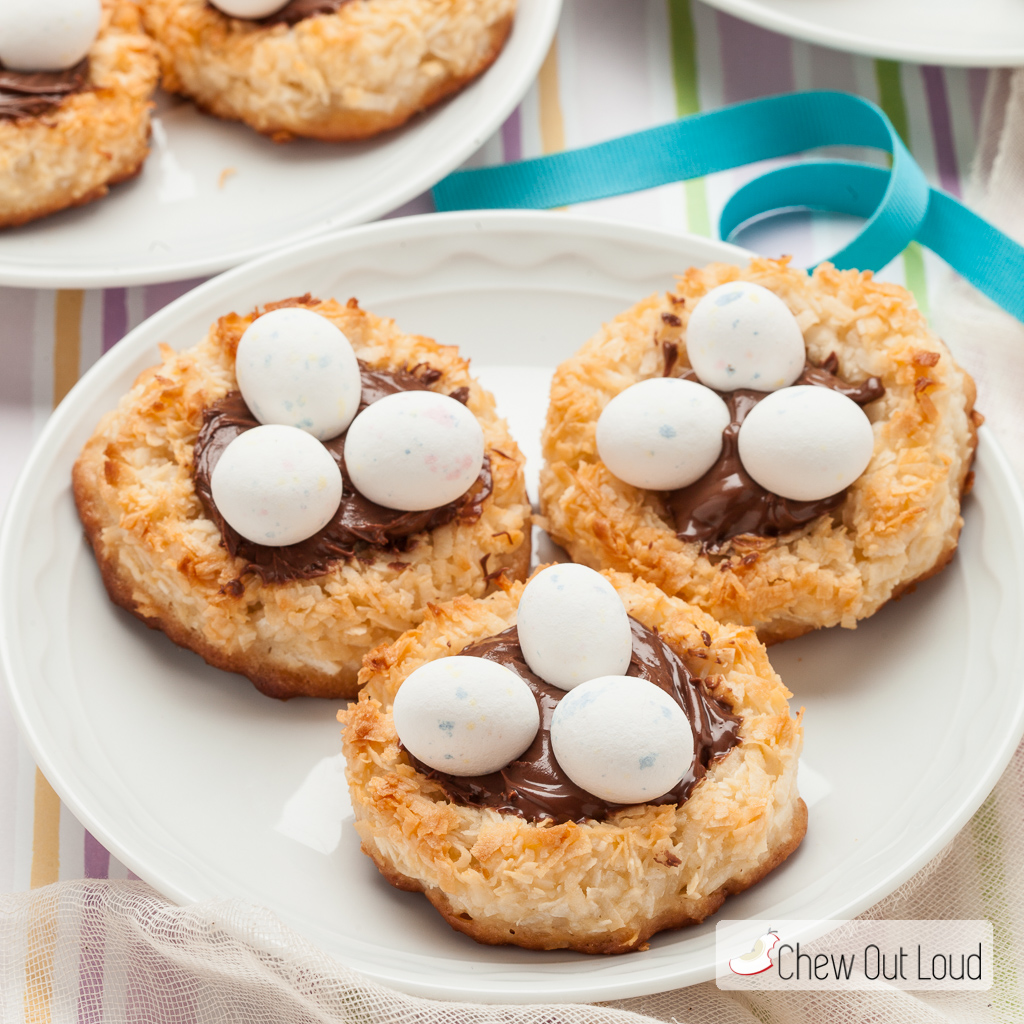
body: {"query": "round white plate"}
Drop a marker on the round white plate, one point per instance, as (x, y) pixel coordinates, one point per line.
(207, 789)
(213, 193)
(978, 33)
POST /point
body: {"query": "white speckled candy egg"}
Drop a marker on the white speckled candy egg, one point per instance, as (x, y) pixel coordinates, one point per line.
(414, 450)
(573, 626)
(662, 433)
(622, 739)
(465, 716)
(47, 35)
(741, 335)
(806, 442)
(294, 367)
(249, 8)
(276, 485)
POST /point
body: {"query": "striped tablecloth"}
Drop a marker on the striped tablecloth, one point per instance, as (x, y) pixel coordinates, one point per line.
(616, 66)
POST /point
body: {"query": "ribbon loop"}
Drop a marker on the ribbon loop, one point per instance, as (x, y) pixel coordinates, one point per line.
(990, 260)
(897, 203)
(703, 144)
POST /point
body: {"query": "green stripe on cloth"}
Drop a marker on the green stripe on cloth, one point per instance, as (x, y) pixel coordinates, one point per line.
(890, 96)
(990, 857)
(684, 75)
(891, 100)
(914, 273)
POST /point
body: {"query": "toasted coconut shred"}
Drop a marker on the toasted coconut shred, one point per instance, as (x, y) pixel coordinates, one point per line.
(94, 138)
(163, 559)
(900, 521)
(596, 886)
(351, 74)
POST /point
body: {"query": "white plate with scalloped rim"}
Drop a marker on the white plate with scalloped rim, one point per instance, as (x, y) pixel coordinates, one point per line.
(207, 789)
(982, 34)
(213, 193)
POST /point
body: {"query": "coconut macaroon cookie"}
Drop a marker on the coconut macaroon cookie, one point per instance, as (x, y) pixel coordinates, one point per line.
(74, 112)
(324, 69)
(559, 847)
(886, 511)
(216, 527)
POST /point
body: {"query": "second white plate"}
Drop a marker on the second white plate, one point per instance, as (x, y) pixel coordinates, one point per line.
(214, 193)
(206, 789)
(981, 33)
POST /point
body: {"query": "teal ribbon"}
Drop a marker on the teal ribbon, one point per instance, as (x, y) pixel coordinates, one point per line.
(898, 204)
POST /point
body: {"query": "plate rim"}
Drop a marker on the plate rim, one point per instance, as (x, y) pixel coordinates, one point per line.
(573, 986)
(436, 164)
(807, 30)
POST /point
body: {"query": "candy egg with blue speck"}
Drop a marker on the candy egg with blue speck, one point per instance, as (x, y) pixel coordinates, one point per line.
(623, 739)
(806, 443)
(276, 485)
(573, 626)
(741, 335)
(295, 368)
(47, 35)
(662, 433)
(465, 715)
(249, 8)
(414, 450)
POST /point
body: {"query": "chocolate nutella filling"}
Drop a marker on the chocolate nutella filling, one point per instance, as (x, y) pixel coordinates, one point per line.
(726, 502)
(298, 10)
(359, 524)
(535, 787)
(31, 93)
(293, 12)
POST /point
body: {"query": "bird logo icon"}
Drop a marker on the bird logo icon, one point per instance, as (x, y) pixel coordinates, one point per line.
(759, 959)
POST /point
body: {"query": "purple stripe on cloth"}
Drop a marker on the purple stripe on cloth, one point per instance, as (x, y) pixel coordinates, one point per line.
(156, 296)
(92, 943)
(115, 316)
(17, 342)
(132, 877)
(942, 128)
(512, 137)
(758, 63)
(17, 330)
(977, 83)
(423, 203)
(755, 62)
(97, 857)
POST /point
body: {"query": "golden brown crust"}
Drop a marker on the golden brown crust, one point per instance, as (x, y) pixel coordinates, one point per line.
(595, 887)
(678, 915)
(900, 521)
(95, 138)
(162, 559)
(350, 75)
